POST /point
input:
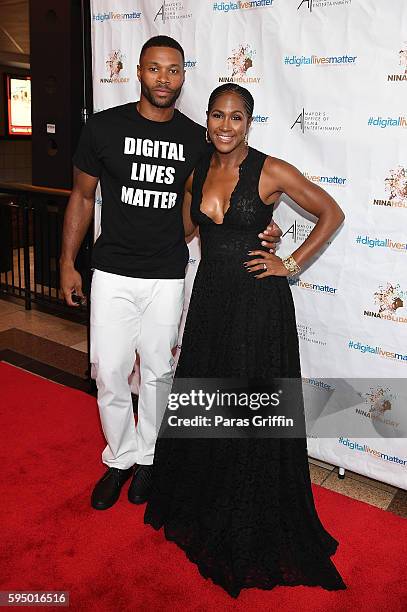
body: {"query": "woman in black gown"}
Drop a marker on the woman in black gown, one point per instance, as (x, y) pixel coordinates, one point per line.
(242, 509)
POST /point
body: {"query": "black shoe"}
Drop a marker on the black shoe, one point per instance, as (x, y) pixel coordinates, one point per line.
(107, 489)
(140, 486)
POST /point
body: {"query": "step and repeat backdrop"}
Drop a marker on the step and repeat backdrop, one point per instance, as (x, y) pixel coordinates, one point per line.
(329, 79)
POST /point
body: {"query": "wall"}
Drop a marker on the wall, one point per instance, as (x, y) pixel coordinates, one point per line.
(15, 156)
(328, 78)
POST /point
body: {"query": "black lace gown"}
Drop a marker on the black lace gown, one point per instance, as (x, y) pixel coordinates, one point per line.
(241, 509)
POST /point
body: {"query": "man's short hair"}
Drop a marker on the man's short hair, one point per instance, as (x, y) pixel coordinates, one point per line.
(162, 41)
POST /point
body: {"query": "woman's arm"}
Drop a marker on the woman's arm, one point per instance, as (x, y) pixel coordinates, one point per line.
(280, 176)
(189, 225)
(311, 198)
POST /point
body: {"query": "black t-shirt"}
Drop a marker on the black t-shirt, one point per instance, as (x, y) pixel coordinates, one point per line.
(142, 166)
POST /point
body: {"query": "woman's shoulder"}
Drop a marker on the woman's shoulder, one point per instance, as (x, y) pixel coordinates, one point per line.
(274, 165)
(276, 171)
(268, 160)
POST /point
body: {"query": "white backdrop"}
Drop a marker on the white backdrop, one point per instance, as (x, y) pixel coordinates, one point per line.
(329, 82)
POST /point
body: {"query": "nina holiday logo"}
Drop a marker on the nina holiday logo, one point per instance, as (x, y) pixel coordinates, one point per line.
(241, 60)
(114, 63)
(395, 185)
(389, 298)
(389, 301)
(403, 57)
(402, 61)
(114, 66)
(379, 401)
(240, 64)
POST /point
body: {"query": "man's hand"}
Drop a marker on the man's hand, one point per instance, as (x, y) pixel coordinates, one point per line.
(271, 236)
(71, 285)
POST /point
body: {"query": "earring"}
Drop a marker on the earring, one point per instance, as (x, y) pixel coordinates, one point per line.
(207, 137)
(246, 139)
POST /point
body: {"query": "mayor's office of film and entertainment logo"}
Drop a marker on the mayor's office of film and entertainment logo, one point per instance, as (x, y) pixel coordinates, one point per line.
(114, 66)
(395, 185)
(240, 64)
(171, 11)
(379, 401)
(315, 121)
(299, 231)
(390, 302)
(402, 62)
(310, 5)
(310, 334)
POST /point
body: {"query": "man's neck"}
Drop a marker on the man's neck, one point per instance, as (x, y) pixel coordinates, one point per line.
(154, 113)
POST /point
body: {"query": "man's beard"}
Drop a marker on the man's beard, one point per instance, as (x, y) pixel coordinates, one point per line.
(149, 94)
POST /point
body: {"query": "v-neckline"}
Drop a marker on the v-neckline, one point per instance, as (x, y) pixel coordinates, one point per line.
(232, 193)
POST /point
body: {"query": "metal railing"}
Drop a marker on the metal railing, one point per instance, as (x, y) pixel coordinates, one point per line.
(31, 221)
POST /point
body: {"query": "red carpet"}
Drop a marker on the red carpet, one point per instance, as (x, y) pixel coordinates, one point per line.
(110, 561)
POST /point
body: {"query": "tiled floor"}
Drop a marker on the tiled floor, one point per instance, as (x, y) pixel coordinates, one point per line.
(57, 349)
(44, 344)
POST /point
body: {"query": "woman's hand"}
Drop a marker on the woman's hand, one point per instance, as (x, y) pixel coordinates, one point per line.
(266, 263)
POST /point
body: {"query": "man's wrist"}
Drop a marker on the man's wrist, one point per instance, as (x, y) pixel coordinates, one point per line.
(66, 262)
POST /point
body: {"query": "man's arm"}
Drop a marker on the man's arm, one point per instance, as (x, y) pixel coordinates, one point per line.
(189, 225)
(78, 217)
(271, 236)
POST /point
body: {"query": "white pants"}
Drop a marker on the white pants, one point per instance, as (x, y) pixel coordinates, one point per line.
(129, 315)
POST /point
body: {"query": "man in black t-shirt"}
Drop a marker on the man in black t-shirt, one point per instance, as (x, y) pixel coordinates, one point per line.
(142, 165)
(142, 153)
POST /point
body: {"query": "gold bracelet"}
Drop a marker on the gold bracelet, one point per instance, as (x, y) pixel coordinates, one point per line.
(291, 265)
